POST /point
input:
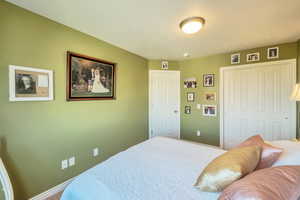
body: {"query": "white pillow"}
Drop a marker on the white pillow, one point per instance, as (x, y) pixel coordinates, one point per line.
(291, 153)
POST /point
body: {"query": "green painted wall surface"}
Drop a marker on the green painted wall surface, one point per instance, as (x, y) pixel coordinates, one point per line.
(209, 126)
(36, 136)
(298, 79)
(156, 65)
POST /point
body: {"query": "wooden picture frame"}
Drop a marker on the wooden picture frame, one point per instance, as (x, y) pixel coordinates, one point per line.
(90, 78)
(187, 110)
(30, 84)
(273, 53)
(208, 80)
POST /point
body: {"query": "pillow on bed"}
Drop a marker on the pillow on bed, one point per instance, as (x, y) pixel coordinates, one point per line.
(228, 168)
(291, 153)
(280, 183)
(269, 153)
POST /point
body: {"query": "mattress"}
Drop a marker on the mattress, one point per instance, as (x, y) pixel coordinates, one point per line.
(157, 169)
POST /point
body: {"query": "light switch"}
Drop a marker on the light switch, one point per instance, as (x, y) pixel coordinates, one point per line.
(198, 133)
(198, 106)
(95, 152)
(64, 164)
(71, 161)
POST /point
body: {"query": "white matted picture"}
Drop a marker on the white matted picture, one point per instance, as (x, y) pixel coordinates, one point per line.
(209, 110)
(208, 80)
(252, 57)
(190, 83)
(273, 53)
(236, 58)
(210, 96)
(191, 96)
(30, 84)
(164, 65)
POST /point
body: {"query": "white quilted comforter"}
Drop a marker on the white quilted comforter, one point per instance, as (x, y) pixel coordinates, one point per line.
(158, 169)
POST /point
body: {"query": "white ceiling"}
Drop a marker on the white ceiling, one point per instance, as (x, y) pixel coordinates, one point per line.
(150, 28)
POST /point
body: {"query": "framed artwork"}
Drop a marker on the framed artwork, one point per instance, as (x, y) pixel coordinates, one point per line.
(209, 110)
(190, 83)
(191, 96)
(164, 65)
(210, 96)
(187, 110)
(235, 58)
(90, 78)
(252, 57)
(208, 80)
(273, 53)
(30, 84)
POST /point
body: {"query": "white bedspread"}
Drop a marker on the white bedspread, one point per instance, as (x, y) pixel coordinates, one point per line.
(158, 169)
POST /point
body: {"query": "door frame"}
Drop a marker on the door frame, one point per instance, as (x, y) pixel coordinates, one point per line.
(149, 99)
(230, 67)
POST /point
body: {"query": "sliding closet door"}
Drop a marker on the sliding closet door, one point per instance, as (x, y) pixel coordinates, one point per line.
(256, 101)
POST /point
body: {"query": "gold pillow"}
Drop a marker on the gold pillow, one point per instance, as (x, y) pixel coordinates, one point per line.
(228, 167)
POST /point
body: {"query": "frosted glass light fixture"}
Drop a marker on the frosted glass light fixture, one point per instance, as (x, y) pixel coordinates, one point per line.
(192, 25)
(296, 93)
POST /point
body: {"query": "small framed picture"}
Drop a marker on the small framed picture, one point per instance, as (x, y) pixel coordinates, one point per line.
(252, 57)
(190, 83)
(209, 110)
(235, 58)
(273, 53)
(188, 110)
(30, 84)
(164, 65)
(191, 96)
(208, 80)
(210, 96)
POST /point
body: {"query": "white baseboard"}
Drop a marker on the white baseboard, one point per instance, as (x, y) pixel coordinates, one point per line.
(52, 191)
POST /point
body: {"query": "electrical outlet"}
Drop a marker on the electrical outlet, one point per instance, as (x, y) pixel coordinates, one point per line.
(64, 164)
(198, 106)
(95, 152)
(71, 161)
(198, 133)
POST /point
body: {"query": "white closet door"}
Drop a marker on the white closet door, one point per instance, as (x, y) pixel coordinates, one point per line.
(256, 101)
(164, 103)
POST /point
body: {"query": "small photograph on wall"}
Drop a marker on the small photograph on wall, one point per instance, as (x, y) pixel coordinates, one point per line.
(191, 96)
(164, 65)
(208, 80)
(89, 78)
(30, 84)
(187, 110)
(235, 58)
(252, 57)
(273, 53)
(190, 83)
(209, 110)
(210, 96)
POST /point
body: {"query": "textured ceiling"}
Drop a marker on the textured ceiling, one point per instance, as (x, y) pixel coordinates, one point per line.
(150, 28)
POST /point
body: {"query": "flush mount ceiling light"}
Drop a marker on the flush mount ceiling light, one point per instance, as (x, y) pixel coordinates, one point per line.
(192, 25)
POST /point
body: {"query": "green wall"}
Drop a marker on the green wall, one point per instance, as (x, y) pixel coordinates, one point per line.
(36, 136)
(298, 79)
(209, 126)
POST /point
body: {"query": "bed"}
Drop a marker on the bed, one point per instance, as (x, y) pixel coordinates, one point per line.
(157, 169)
